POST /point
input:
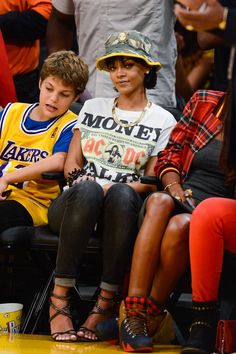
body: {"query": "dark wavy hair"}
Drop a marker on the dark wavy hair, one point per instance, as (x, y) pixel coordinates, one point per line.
(228, 153)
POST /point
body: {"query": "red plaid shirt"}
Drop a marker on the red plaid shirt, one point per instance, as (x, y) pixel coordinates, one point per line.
(197, 126)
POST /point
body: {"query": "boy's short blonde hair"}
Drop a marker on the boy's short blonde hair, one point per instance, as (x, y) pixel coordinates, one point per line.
(68, 67)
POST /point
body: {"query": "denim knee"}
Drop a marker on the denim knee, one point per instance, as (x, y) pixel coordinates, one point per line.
(83, 197)
(122, 195)
(86, 190)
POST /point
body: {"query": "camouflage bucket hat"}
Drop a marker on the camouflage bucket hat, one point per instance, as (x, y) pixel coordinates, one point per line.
(131, 44)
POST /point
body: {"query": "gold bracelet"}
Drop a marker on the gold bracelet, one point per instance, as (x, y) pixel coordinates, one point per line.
(170, 185)
(222, 24)
(168, 169)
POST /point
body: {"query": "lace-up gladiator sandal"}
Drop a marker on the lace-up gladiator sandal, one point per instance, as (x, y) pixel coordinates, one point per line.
(98, 310)
(203, 329)
(64, 311)
(133, 325)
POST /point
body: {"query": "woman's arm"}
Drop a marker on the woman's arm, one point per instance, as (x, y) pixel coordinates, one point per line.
(149, 171)
(75, 158)
(209, 40)
(33, 171)
(200, 72)
(188, 82)
(171, 182)
(173, 157)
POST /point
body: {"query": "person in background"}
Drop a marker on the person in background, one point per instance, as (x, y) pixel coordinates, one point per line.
(194, 66)
(211, 15)
(94, 21)
(104, 191)
(7, 92)
(211, 236)
(218, 39)
(206, 15)
(35, 139)
(212, 239)
(23, 23)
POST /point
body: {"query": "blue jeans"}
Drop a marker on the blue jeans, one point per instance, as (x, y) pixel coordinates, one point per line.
(74, 215)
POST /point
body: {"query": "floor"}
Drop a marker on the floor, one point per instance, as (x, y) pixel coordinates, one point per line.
(39, 344)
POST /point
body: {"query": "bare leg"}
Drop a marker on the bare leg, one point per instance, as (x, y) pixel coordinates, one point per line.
(61, 323)
(174, 257)
(148, 243)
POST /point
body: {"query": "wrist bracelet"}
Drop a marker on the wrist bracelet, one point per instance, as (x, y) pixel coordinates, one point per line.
(73, 175)
(170, 185)
(168, 169)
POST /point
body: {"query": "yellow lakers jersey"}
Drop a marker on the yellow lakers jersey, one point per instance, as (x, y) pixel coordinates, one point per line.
(21, 146)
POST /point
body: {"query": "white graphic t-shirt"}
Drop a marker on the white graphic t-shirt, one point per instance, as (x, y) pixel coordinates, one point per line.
(116, 153)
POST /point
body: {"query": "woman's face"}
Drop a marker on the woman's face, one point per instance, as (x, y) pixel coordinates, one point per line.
(127, 75)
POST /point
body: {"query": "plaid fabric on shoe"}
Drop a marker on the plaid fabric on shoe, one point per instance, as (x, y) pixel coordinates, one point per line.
(135, 305)
(133, 328)
(153, 307)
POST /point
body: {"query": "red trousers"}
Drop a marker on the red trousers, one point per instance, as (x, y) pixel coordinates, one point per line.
(212, 230)
(7, 88)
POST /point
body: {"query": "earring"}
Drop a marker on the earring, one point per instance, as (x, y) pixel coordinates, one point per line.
(147, 72)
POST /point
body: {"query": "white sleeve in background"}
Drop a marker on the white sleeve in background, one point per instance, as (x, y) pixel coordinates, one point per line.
(64, 6)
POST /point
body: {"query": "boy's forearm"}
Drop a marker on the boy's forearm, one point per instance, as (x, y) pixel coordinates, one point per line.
(34, 171)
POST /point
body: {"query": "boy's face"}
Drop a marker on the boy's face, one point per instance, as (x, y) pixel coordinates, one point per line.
(55, 97)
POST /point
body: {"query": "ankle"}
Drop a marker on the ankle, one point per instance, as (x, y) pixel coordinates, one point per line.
(205, 312)
(106, 299)
(108, 294)
(60, 291)
(203, 328)
(136, 306)
(133, 325)
(154, 308)
(59, 301)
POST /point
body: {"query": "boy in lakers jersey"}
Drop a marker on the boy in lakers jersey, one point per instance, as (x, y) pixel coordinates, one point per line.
(34, 138)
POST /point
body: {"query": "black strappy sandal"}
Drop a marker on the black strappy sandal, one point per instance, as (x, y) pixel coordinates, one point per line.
(64, 311)
(97, 310)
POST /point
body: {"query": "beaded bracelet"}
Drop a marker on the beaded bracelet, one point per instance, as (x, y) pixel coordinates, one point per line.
(73, 175)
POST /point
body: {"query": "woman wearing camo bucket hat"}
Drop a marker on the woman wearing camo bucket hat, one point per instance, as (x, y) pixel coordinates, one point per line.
(115, 141)
(131, 44)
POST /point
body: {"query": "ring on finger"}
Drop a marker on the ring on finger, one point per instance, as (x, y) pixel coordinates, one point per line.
(188, 193)
(177, 197)
(189, 28)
